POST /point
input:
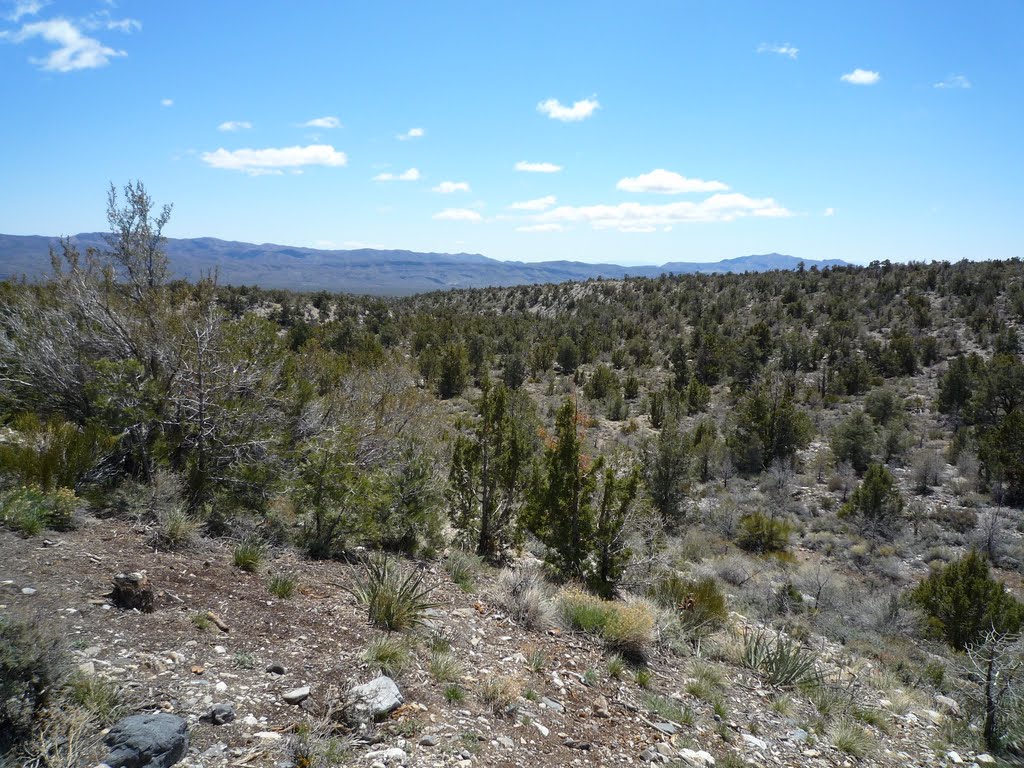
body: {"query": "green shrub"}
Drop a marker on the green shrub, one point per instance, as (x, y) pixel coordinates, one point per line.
(963, 601)
(33, 665)
(282, 586)
(625, 628)
(500, 693)
(848, 737)
(763, 534)
(700, 603)
(396, 600)
(876, 505)
(30, 510)
(445, 667)
(52, 454)
(248, 555)
(778, 660)
(462, 567)
(174, 530)
(389, 653)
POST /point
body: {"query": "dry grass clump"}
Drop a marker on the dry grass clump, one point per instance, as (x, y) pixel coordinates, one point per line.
(500, 693)
(523, 594)
(627, 628)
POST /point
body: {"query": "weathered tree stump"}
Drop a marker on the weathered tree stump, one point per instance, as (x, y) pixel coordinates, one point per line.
(133, 591)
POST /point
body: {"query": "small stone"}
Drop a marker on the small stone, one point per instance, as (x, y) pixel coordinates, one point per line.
(375, 699)
(664, 748)
(428, 741)
(506, 742)
(219, 714)
(954, 757)
(221, 686)
(985, 758)
(799, 735)
(601, 707)
(392, 756)
(948, 704)
(296, 695)
(542, 728)
(250, 720)
(87, 668)
(268, 735)
(755, 742)
(552, 704)
(667, 728)
(220, 649)
(28, 591)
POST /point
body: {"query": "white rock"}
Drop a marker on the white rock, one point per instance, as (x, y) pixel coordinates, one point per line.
(755, 742)
(221, 686)
(220, 649)
(954, 757)
(985, 758)
(542, 728)
(392, 756)
(296, 696)
(268, 735)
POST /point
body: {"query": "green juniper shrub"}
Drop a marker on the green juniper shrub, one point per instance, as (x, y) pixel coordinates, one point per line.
(963, 601)
(33, 665)
(763, 534)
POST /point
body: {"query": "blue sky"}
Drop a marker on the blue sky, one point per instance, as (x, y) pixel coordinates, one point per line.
(633, 133)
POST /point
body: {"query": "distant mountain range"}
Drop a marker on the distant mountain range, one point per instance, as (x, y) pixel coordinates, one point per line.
(366, 270)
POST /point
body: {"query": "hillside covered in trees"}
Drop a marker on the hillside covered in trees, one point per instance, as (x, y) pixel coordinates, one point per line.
(805, 483)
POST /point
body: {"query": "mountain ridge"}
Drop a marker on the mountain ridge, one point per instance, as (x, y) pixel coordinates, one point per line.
(373, 271)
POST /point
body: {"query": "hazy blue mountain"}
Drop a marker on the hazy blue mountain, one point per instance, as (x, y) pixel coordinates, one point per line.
(365, 270)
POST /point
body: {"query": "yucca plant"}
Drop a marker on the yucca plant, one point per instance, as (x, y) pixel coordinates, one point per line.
(395, 599)
(281, 585)
(780, 661)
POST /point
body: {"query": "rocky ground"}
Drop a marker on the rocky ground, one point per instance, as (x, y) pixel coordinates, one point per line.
(571, 710)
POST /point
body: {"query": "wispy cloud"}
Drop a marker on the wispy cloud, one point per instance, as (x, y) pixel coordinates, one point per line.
(457, 214)
(166, 102)
(448, 187)
(829, 212)
(412, 174)
(580, 110)
(861, 77)
(261, 162)
(550, 227)
(24, 8)
(323, 122)
(954, 81)
(538, 204)
(665, 182)
(412, 133)
(74, 50)
(782, 50)
(234, 125)
(637, 217)
(523, 165)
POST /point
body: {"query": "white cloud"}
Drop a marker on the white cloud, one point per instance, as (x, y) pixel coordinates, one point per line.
(234, 125)
(270, 161)
(74, 50)
(166, 102)
(457, 214)
(412, 133)
(954, 81)
(829, 212)
(861, 77)
(522, 165)
(580, 110)
(323, 122)
(123, 25)
(26, 8)
(448, 187)
(637, 217)
(412, 174)
(668, 183)
(782, 50)
(550, 227)
(539, 204)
